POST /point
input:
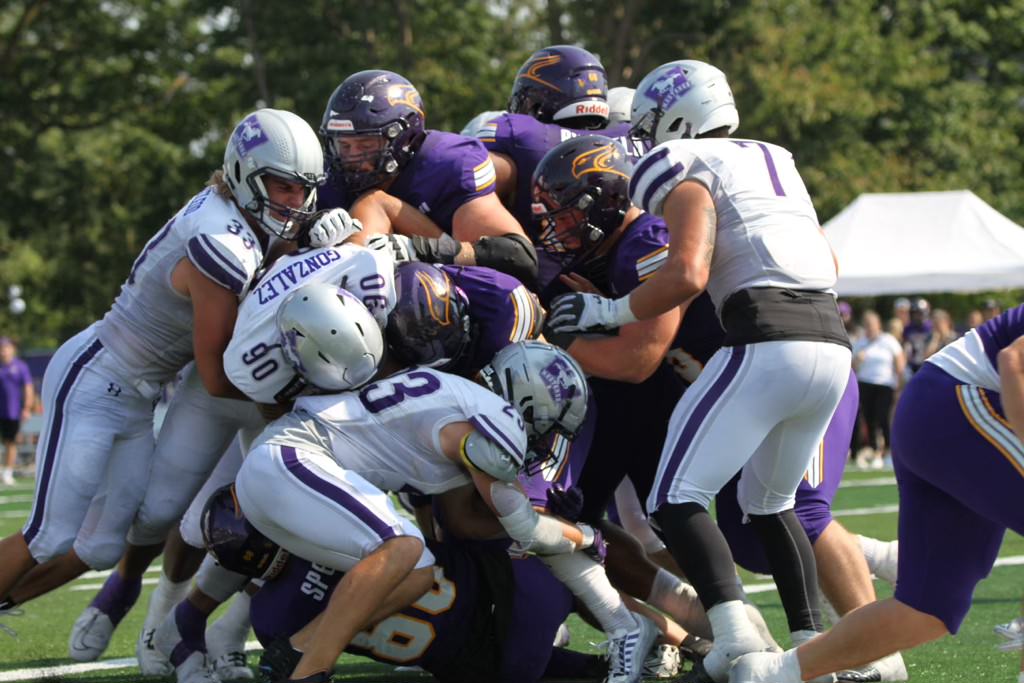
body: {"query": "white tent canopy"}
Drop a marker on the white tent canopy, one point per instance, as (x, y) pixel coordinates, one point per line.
(918, 242)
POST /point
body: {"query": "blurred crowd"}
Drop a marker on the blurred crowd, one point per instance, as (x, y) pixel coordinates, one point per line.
(886, 354)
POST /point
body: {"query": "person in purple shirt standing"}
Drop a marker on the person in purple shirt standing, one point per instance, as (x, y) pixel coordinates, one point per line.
(17, 396)
(959, 463)
(375, 138)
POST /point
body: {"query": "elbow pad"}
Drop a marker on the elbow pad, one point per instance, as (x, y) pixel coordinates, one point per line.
(511, 253)
(441, 249)
(535, 533)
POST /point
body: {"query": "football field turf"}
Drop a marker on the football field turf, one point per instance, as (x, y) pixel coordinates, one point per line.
(865, 504)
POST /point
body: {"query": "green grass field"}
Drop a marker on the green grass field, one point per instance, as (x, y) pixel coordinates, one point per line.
(970, 657)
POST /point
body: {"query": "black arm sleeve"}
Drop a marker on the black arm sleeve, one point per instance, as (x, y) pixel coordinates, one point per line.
(512, 254)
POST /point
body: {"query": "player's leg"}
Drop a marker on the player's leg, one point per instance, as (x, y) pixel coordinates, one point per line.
(311, 507)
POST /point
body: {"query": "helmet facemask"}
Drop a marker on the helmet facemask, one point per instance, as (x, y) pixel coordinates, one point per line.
(364, 166)
(279, 219)
(570, 233)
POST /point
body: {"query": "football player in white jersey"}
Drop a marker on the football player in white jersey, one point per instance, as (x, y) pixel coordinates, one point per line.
(742, 226)
(314, 480)
(178, 303)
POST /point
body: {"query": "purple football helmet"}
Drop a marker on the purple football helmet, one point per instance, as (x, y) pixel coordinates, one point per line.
(580, 195)
(562, 84)
(430, 323)
(372, 127)
(235, 543)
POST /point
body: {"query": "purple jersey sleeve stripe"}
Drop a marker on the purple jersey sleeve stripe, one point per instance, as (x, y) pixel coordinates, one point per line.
(215, 251)
(666, 176)
(343, 498)
(53, 434)
(211, 268)
(643, 167)
(697, 418)
(487, 427)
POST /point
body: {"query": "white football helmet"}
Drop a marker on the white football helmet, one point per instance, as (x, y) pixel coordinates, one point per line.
(682, 99)
(620, 104)
(544, 383)
(278, 143)
(329, 337)
(477, 122)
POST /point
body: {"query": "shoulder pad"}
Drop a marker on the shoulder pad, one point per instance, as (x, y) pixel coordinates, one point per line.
(480, 453)
(223, 247)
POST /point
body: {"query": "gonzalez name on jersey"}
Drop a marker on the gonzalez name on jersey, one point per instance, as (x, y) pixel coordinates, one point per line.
(253, 360)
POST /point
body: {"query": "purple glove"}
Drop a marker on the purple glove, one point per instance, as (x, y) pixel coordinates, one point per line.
(567, 504)
(598, 550)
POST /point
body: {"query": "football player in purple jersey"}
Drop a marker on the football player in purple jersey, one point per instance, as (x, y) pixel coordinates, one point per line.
(959, 462)
(560, 92)
(375, 138)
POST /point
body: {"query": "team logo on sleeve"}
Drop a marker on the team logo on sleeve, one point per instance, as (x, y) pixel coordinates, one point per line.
(405, 94)
(249, 135)
(667, 90)
(558, 378)
(599, 160)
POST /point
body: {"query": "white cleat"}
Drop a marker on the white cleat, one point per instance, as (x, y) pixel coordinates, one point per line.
(762, 667)
(627, 651)
(1013, 632)
(562, 636)
(152, 662)
(884, 670)
(90, 635)
(663, 662)
(231, 666)
(887, 567)
(195, 669)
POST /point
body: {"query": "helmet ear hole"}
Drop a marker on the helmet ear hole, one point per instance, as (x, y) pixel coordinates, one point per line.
(238, 172)
(674, 126)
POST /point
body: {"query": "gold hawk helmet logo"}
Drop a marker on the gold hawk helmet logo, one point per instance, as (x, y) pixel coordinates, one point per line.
(439, 301)
(406, 94)
(597, 161)
(540, 63)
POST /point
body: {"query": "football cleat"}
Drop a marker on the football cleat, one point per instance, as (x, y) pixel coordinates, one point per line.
(90, 635)
(662, 662)
(562, 636)
(762, 667)
(278, 660)
(152, 662)
(9, 612)
(627, 651)
(231, 666)
(1013, 632)
(886, 669)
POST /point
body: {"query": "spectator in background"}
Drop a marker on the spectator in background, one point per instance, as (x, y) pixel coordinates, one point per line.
(852, 328)
(916, 334)
(943, 332)
(992, 309)
(974, 318)
(901, 310)
(878, 362)
(16, 398)
(895, 328)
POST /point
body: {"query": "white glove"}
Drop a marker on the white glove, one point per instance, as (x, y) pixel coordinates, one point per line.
(583, 312)
(399, 246)
(333, 227)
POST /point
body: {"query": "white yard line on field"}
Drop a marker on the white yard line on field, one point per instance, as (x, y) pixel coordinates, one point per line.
(45, 672)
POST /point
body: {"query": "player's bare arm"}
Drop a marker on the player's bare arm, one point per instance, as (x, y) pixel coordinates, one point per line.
(692, 223)
(382, 213)
(484, 216)
(214, 308)
(1011, 384)
(506, 174)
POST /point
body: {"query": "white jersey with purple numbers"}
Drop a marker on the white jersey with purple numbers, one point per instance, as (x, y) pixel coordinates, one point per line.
(149, 327)
(253, 360)
(389, 431)
(768, 233)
